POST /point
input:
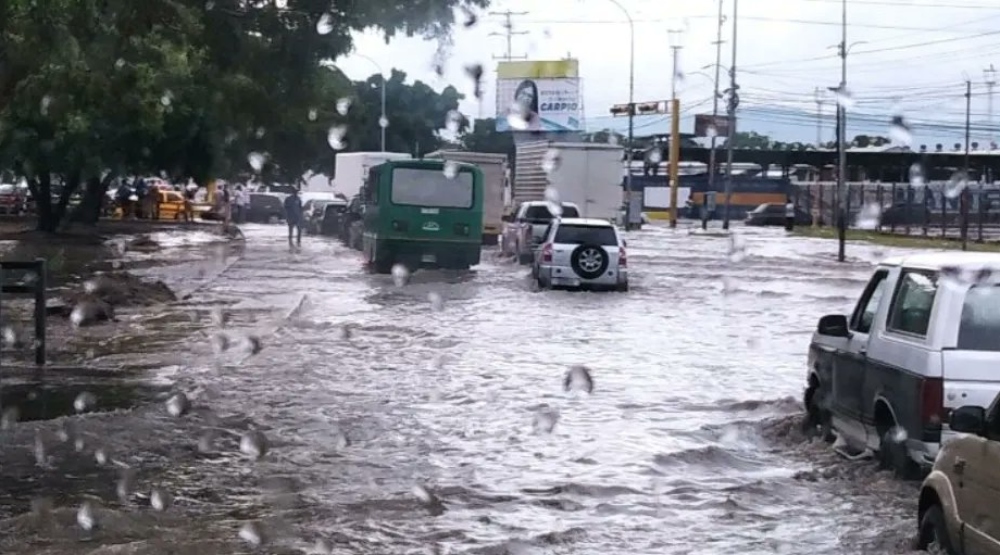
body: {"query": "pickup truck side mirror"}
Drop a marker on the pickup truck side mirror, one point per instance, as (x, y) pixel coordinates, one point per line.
(968, 420)
(833, 325)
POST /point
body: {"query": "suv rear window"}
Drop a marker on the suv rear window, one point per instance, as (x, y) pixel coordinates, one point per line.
(979, 329)
(590, 234)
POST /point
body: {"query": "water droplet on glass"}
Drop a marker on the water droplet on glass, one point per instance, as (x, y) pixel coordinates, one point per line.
(737, 248)
(79, 445)
(39, 450)
(101, 456)
(44, 105)
(844, 98)
(551, 160)
(400, 275)
(425, 496)
(869, 216)
(259, 132)
(252, 533)
(41, 507)
(85, 516)
(545, 420)
(340, 440)
(917, 175)
(436, 300)
(323, 547)
(958, 183)
(125, 485)
(84, 401)
(219, 317)
(518, 115)
(325, 24)
(167, 98)
(552, 201)
(900, 132)
(253, 444)
(335, 137)
(256, 161)
(160, 500)
(655, 156)
(898, 434)
(220, 343)
(11, 338)
(178, 404)
(453, 121)
(711, 131)
(119, 63)
(313, 114)
(468, 17)
(206, 443)
(383, 122)
(343, 106)
(578, 378)
(9, 417)
(451, 169)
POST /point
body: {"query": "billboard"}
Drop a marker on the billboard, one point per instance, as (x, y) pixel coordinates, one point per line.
(539, 96)
(707, 124)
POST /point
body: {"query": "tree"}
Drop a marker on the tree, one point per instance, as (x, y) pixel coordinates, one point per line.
(606, 136)
(750, 140)
(484, 137)
(95, 89)
(864, 141)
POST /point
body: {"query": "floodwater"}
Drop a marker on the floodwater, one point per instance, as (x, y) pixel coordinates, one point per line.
(419, 418)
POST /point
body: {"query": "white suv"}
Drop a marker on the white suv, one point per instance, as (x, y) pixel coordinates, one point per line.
(579, 252)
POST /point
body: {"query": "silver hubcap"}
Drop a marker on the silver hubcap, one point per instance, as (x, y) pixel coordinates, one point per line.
(590, 260)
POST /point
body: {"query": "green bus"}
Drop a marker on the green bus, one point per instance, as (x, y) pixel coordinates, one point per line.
(420, 213)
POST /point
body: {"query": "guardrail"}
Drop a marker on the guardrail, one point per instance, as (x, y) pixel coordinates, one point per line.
(32, 282)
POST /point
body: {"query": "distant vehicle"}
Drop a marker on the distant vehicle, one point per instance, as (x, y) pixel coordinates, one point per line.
(960, 498)
(350, 225)
(921, 342)
(353, 167)
(12, 200)
(523, 232)
(314, 210)
(772, 214)
(495, 170)
(332, 222)
(579, 252)
(266, 208)
(416, 214)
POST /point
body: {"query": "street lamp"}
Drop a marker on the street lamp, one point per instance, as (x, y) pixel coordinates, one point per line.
(631, 110)
(383, 122)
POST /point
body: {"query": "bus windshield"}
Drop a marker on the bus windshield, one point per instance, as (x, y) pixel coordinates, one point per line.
(431, 188)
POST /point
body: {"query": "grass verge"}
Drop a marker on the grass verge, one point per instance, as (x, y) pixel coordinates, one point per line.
(897, 240)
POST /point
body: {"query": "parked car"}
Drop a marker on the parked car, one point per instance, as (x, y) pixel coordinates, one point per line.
(266, 208)
(960, 498)
(314, 210)
(12, 200)
(774, 215)
(334, 214)
(350, 228)
(579, 252)
(523, 231)
(920, 343)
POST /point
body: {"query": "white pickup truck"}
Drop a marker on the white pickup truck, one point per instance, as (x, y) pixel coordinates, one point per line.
(922, 341)
(523, 232)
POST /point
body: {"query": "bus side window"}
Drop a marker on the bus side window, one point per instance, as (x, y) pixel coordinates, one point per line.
(371, 187)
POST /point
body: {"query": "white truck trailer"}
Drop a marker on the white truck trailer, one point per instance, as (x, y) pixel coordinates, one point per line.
(352, 169)
(494, 168)
(587, 174)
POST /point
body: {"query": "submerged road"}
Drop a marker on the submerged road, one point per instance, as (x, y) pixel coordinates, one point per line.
(432, 416)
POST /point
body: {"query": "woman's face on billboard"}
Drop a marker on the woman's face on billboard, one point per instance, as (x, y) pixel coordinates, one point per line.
(525, 97)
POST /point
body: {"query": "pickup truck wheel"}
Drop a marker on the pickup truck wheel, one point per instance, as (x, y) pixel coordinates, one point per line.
(818, 422)
(933, 535)
(893, 455)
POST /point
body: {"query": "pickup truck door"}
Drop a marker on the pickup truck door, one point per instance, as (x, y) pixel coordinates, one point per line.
(850, 365)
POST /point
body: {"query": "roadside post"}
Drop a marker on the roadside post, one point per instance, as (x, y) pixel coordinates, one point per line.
(675, 154)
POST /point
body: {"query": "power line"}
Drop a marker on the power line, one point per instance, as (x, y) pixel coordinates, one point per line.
(661, 21)
(509, 33)
(910, 5)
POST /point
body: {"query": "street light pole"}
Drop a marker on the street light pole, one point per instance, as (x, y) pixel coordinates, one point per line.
(383, 121)
(734, 101)
(631, 113)
(715, 117)
(842, 143)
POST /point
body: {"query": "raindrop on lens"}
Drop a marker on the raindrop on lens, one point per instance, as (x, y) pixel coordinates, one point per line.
(898, 434)
(335, 137)
(252, 534)
(219, 317)
(39, 450)
(551, 160)
(655, 156)
(125, 485)
(737, 250)
(85, 516)
(844, 98)
(955, 185)
(253, 444)
(256, 161)
(101, 456)
(325, 24)
(451, 169)
(437, 302)
(917, 175)
(552, 201)
(711, 132)
(160, 500)
(453, 122)
(167, 98)
(383, 122)
(84, 401)
(400, 275)
(425, 495)
(900, 132)
(469, 17)
(869, 216)
(517, 116)
(545, 420)
(343, 106)
(178, 404)
(578, 378)
(313, 114)
(9, 417)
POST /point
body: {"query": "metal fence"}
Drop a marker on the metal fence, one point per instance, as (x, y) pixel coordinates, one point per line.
(931, 210)
(25, 278)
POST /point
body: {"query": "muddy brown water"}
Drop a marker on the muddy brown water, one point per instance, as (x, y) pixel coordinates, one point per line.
(688, 444)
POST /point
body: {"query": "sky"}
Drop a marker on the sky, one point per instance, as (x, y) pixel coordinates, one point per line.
(905, 58)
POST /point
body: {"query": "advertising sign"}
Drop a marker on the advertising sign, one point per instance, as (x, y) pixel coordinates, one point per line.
(706, 124)
(538, 96)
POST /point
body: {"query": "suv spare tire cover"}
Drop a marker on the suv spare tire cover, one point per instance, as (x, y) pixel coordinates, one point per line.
(589, 261)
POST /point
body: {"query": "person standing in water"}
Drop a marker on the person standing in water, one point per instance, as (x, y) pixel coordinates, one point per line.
(789, 214)
(293, 216)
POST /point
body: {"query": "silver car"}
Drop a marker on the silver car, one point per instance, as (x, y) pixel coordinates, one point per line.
(579, 252)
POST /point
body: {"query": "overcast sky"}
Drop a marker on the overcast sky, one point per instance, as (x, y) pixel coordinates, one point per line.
(913, 58)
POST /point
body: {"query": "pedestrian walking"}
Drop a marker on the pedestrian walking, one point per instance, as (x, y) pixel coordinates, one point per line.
(789, 215)
(189, 194)
(293, 216)
(243, 199)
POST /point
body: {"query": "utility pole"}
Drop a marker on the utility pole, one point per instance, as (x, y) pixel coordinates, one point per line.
(842, 141)
(734, 102)
(968, 177)
(819, 117)
(990, 74)
(712, 166)
(675, 46)
(509, 34)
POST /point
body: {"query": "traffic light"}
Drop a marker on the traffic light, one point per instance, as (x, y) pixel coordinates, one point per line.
(646, 108)
(620, 110)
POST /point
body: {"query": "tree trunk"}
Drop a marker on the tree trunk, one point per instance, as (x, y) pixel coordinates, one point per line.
(89, 210)
(41, 192)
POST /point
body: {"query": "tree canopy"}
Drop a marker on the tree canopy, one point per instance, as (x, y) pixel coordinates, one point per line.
(91, 90)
